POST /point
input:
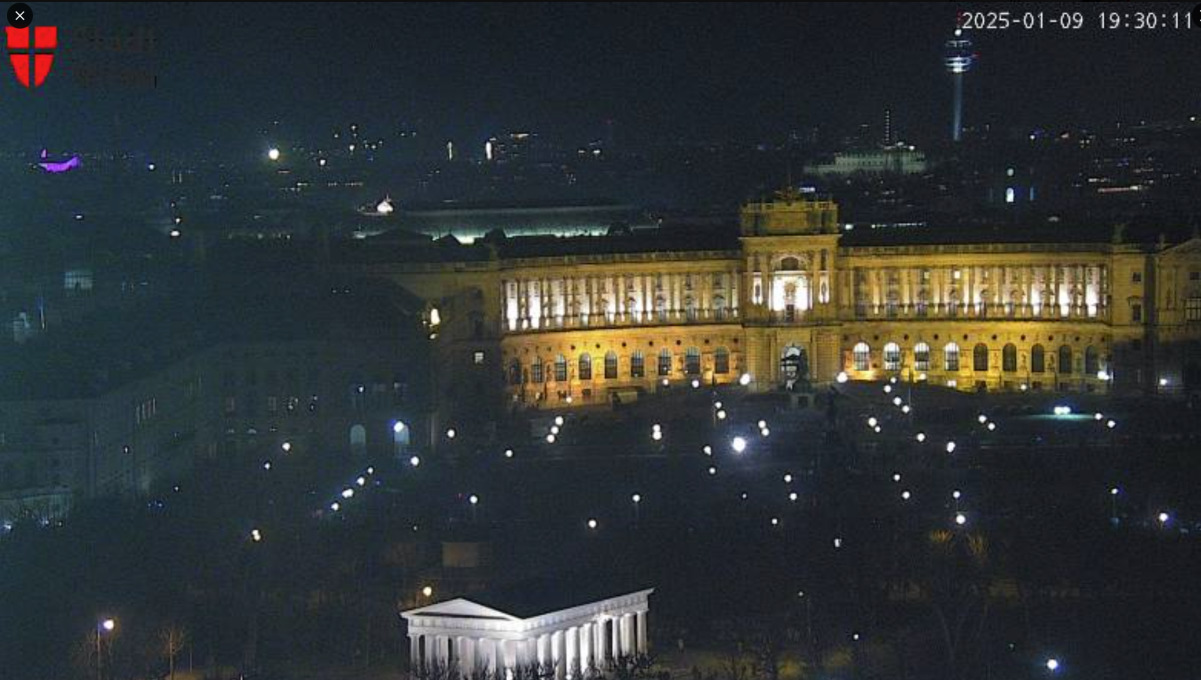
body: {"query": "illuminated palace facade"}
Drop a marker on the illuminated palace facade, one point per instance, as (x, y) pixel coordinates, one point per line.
(794, 300)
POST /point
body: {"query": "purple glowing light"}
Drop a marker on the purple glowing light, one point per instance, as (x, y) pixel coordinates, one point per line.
(57, 167)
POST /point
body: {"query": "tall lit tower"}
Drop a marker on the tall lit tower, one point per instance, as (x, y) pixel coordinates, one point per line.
(958, 58)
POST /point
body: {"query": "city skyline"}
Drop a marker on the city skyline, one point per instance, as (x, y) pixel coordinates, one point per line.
(707, 72)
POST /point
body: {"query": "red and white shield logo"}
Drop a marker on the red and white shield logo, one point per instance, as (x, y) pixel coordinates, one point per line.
(32, 59)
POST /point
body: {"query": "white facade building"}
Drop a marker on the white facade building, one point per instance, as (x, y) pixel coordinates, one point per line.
(464, 635)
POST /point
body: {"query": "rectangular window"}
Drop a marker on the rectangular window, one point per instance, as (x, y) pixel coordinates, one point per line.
(1136, 313)
(1136, 277)
(1192, 309)
(478, 358)
(536, 372)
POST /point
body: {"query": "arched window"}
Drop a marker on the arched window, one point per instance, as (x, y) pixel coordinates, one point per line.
(892, 357)
(536, 370)
(661, 308)
(861, 356)
(921, 356)
(980, 357)
(610, 365)
(1065, 359)
(689, 308)
(665, 361)
(400, 437)
(1009, 358)
(950, 357)
(585, 366)
(692, 361)
(1038, 359)
(358, 440)
(515, 372)
(1092, 363)
(637, 365)
(721, 361)
(560, 368)
(790, 264)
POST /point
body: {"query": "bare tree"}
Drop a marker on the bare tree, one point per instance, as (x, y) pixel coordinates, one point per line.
(172, 638)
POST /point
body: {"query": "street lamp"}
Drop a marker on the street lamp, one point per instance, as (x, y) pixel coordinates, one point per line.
(414, 461)
(427, 591)
(738, 444)
(104, 626)
(1052, 664)
(960, 519)
(273, 154)
(950, 447)
(841, 378)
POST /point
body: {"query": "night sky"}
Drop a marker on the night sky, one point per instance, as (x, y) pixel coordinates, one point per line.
(726, 72)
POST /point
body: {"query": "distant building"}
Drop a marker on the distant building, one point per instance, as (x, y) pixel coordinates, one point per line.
(132, 431)
(542, 627)
(897, 159)
(567, 322)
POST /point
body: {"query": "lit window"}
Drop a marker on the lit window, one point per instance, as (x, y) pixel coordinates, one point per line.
(951, 357)
(892, 357)
(478, 358)
(921, 356)
(861, 356)
(1192, 309)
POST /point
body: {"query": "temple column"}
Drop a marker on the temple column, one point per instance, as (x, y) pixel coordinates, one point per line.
(572, 637)
(414, 651)
(586, 637)
(600, 646)
(558, 656)
(643, 636)
(615, 638)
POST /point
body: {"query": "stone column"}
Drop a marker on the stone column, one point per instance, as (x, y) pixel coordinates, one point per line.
(643, 638)
(624, 635)
(587, 637)
(542, 650)
(558, 657)
(572, 638)
(615, 638)
(414, 651)
(600, 645)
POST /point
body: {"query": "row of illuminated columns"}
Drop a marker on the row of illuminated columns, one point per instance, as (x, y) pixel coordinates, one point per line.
(558, 302)
(1074, 290)
(570, 651)
(802, 288)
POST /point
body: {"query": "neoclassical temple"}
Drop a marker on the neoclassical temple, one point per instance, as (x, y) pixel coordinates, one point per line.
(546, 627)
(788, 295)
